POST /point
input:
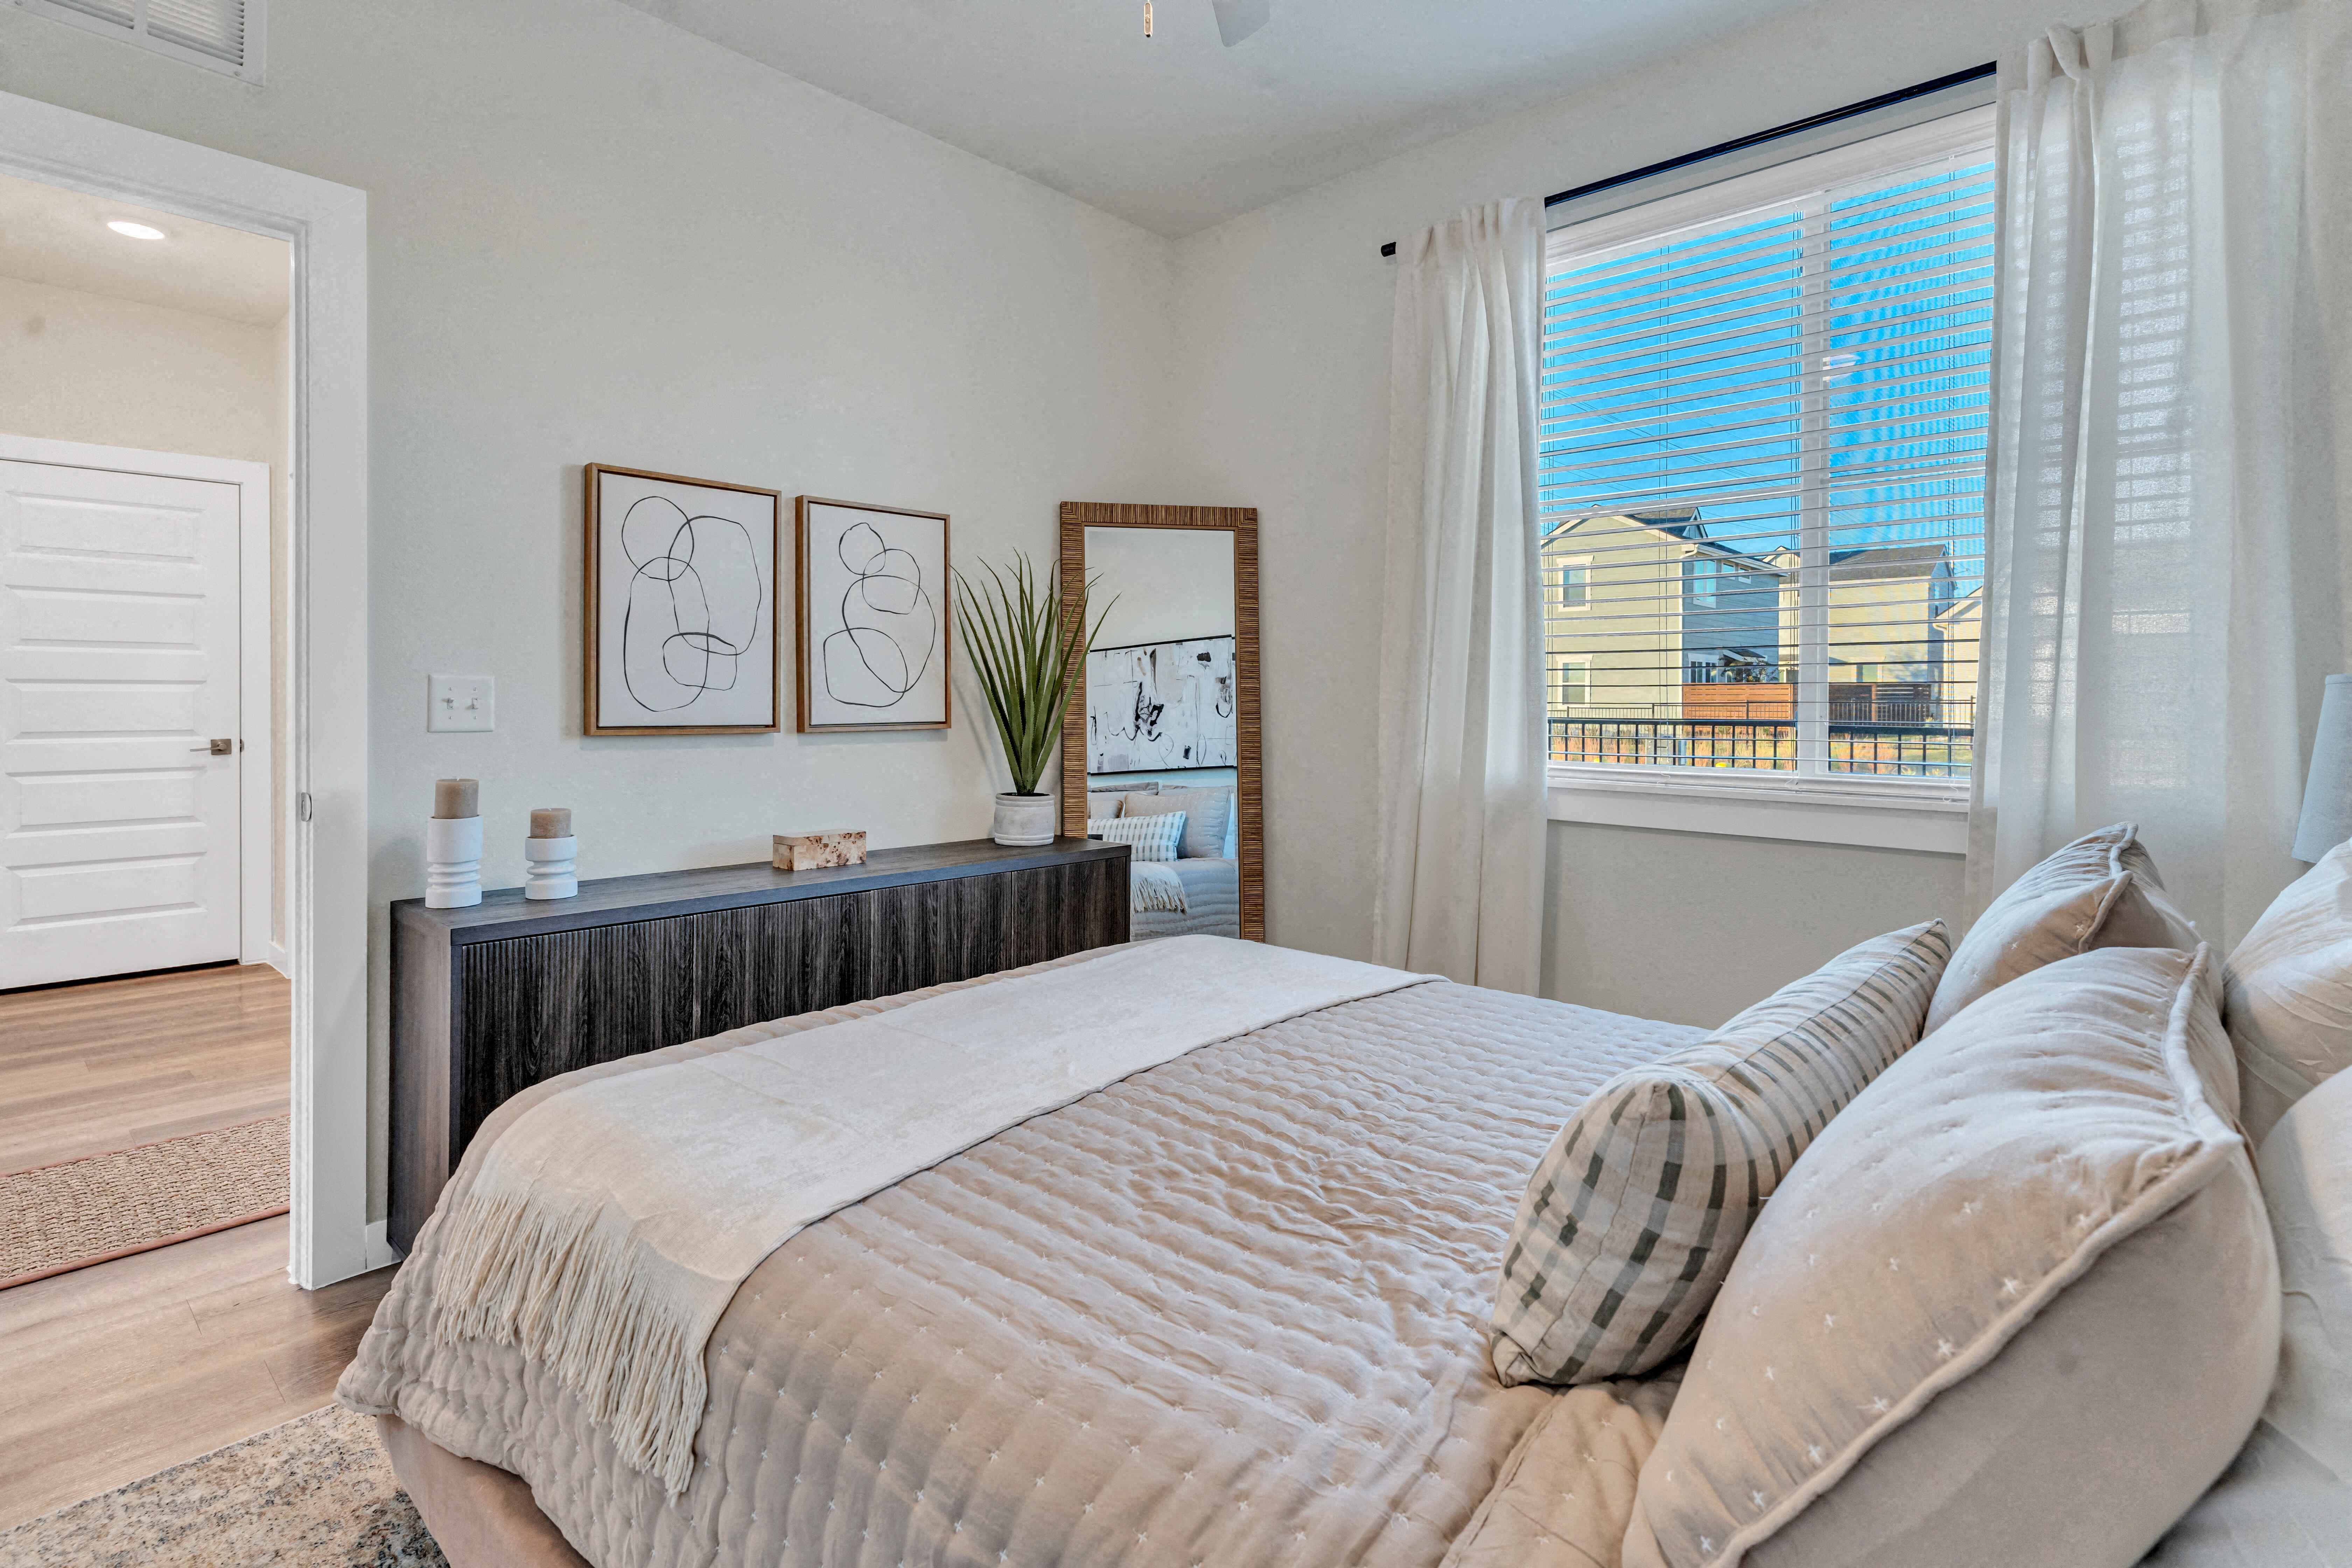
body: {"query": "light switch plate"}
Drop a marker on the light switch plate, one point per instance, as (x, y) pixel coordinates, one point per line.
(462, 702)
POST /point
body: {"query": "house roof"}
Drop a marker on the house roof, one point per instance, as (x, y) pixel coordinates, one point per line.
(1685, 524)
(1869, 561)
(1862, 563)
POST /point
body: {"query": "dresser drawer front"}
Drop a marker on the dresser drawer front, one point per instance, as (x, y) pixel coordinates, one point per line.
(481, 1021)
(530, 1008)
(535, 1007)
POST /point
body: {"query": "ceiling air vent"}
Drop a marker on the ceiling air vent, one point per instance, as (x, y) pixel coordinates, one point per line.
(221, 35)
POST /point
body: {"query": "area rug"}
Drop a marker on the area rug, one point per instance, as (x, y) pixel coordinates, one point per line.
(317, 1491)
(79, 1212)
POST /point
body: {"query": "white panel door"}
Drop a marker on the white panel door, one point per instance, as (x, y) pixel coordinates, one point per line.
(118, 672)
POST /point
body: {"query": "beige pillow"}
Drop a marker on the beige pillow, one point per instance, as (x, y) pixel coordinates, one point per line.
(2286, 1501)
(1106, 802)
(2102, 890)
(1635, 1212)
(2287, 994)
(2017, 1305)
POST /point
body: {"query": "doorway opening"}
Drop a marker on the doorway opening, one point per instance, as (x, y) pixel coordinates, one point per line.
(146, 821)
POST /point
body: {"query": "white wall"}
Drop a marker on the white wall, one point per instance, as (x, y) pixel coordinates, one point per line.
(1281, 400)
(77, 366)
(1691, 927)
(1159, 584)
(593, 237)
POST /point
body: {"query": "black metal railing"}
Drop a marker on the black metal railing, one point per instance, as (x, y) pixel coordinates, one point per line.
(1884, 749)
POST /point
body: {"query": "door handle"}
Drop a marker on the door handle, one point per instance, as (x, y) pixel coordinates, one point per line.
(221, 747)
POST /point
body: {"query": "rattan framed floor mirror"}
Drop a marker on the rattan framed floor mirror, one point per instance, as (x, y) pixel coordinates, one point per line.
(1165, 720)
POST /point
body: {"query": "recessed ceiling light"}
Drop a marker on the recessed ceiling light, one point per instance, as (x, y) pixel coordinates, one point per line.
(123, 225)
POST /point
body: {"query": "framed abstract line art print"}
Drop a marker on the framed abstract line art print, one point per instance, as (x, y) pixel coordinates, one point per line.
(874, 609)
(681, 610)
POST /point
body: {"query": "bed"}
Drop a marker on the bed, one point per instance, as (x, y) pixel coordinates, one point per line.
(1206, 871)
(1213, 902)
(1230, 1310)
(1234, 1308)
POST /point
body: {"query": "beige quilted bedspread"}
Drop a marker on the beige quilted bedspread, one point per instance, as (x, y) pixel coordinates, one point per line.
(1230, 1310)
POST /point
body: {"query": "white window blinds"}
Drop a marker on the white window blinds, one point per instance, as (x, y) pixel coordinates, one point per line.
(224, 34)
(1764, 413)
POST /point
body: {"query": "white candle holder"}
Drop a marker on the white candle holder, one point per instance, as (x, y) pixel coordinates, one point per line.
(453, 862)
(551, 873)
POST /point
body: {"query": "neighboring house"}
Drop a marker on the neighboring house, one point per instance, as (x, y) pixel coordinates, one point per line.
(1649, 619)
(1640, 608)
(1959, 628)
(1886, 643)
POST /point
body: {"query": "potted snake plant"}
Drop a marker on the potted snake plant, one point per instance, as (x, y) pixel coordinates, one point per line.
(1025, 647)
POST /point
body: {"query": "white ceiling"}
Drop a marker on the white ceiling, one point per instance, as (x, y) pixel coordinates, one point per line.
(1177, 133)
(50, 235)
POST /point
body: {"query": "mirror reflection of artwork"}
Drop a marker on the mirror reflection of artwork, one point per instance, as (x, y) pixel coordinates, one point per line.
(681, 622)
(1161, 707)
(872, 617)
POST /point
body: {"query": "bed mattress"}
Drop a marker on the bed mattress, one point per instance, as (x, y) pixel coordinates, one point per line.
(1229, 1311)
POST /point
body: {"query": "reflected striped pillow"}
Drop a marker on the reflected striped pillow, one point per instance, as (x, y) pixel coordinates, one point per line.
(1155, 838)
(1635, 1212)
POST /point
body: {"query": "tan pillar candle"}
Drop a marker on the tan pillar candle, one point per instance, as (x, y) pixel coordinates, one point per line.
(457, 797)
(551, 822)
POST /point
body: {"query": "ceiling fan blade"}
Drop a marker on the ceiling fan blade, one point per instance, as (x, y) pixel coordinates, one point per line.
(1237, 19)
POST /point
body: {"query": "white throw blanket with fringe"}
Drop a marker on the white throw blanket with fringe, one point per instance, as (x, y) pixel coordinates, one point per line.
(608, 1227)
(1157, 887)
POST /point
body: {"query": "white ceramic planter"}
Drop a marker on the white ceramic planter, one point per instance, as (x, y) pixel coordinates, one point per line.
(453, 862)
(549, 868)
(1023, 820)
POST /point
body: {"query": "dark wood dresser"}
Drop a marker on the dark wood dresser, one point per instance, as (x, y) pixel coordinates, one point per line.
(489, 1000)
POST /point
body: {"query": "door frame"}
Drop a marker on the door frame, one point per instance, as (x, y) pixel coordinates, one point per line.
(327, 688)
(257, 809)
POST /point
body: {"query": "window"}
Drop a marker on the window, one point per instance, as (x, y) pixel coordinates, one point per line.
(1764, 411)
(221, 35)
(1567, 576)
(1571, 682)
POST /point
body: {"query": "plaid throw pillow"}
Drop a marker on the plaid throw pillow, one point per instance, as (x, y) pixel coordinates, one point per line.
(1636, 1210)
(1155, 838)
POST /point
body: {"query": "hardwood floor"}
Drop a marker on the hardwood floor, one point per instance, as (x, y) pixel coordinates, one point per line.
(111, 1064)
(114, 1372)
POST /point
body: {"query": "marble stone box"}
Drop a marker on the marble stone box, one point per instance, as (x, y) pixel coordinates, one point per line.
(811, 851)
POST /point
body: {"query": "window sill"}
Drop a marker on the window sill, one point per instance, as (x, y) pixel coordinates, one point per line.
(1864, 813)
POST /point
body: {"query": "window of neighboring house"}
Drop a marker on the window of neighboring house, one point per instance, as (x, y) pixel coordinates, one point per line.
(1567, 576)
(1572, 683)
(1763, 414)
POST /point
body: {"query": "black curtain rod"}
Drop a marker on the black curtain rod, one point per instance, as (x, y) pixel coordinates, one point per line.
(1827, 117)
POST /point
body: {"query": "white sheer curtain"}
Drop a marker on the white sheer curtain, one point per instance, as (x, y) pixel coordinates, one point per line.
(2172, 393)
(1461, 750)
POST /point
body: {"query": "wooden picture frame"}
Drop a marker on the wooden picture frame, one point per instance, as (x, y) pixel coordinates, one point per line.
(1249, 773)
(826, 645)
(607, 649)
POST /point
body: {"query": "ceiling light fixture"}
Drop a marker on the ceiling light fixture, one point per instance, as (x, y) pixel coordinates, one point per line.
(124, 227)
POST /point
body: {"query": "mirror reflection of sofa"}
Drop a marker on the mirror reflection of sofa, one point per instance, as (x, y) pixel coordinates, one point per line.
(1196, 892)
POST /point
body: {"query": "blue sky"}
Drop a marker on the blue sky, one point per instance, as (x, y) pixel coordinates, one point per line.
(1677, 372)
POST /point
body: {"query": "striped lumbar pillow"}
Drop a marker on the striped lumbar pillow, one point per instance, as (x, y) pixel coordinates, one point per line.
(1155, 838)
(1635, 1212)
